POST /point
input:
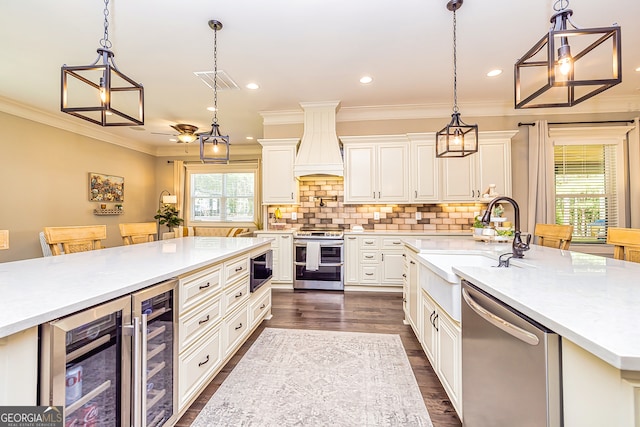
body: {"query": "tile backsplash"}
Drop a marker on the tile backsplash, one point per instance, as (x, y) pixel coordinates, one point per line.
(322, 205)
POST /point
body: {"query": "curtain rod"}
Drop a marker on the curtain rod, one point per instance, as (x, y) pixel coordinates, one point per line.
(579, 123)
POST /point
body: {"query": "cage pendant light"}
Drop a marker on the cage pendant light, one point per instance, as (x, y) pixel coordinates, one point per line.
(568, 66)
(100, 93)
(214, 147)
(457, 139)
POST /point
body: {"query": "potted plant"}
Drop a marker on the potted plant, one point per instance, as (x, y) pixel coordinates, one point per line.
(477, 225)
(168, 215)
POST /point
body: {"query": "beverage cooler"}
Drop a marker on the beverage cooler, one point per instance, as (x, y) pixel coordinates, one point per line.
(114, 364)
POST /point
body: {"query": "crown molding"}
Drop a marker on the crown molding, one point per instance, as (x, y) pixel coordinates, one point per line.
(622, 104)
(70, 124)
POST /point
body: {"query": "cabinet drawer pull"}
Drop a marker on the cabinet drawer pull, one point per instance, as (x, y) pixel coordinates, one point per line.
(201, 287)
(239, 326)
(205, 320)
(263, 306)
(368, 274)
(397, 243)
(239, 269)
(416, 193)
(205, 362)
(238, 295)
(285, 237)
(368, 256)
(431, 317)
(412, 262)
(434, 322)
(404, 275)
(351, 238)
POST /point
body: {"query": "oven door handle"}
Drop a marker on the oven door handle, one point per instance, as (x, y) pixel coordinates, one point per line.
(322, 244)
(336, 264)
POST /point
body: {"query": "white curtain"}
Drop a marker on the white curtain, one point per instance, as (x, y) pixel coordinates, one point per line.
(541, 203)
(178, 184)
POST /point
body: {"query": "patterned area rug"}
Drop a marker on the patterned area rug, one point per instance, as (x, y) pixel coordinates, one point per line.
(292, 377)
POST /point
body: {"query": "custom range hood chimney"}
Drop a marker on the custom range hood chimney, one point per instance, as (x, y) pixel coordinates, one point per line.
(319, 152)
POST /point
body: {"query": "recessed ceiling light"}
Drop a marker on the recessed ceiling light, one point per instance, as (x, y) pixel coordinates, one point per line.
(638, 69)
(252, 86)
(173, 139)
(494, 73)
(250, 138)
(365, 80)
(211, 108)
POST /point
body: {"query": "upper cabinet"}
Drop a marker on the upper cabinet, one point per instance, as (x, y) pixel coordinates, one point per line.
(424, 176)
(279, 186)
(466, 179)
(376, 169)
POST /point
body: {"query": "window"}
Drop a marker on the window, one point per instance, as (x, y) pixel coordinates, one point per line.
(589, 185)
(220, 194)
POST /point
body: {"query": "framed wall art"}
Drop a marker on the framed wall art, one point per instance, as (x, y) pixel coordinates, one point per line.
(105, 188)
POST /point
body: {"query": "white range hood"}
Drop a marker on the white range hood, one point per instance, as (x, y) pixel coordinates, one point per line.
(319, 153)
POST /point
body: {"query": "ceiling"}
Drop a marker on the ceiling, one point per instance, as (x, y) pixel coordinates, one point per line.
(297, 51)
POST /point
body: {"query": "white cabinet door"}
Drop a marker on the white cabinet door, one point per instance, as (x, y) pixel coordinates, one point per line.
(429, 336)
(392, 267)
(278, 181)
(412, 279)
(359, 181)
(393, 178)
(376, 169)
(424, 172)
(459, 178)
(449, 365)
(352, 259)
(285, 258)
(465, 179)
(494, 167)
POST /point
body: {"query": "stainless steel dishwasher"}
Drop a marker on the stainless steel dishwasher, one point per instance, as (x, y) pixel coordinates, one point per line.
(511, 366)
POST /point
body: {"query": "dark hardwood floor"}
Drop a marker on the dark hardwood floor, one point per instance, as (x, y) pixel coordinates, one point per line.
(349, 311)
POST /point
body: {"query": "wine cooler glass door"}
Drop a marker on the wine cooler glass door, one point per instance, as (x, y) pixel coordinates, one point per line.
(87, 365)
(157, 400)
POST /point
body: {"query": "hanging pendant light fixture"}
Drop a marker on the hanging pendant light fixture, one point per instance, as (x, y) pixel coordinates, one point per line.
(457, 139)
(568, 66)
(100, 93)
(214, 147)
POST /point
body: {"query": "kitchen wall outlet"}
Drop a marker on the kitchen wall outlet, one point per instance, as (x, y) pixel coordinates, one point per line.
(294, 216)
(376, 215)
(418, 216)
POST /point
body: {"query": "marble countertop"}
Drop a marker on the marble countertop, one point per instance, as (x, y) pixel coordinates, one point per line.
(590, 300)
(39, 290)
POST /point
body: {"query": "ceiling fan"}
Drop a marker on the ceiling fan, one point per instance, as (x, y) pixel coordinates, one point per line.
(186, 133)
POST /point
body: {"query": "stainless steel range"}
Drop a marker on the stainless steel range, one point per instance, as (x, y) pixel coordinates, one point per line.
(319, 259)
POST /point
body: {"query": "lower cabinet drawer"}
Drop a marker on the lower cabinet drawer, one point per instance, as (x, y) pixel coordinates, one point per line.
(195, 288)
(236, 327)
(236, 294)
(196, 324)
(369, 274)
(258, 308)
(196, 367)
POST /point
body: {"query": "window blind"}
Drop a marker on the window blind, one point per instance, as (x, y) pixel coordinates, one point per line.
(586, 190)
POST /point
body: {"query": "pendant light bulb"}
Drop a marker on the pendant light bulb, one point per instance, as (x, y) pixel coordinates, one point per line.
(215, 147)
(103, 91)
(565, 61)
(458, 137)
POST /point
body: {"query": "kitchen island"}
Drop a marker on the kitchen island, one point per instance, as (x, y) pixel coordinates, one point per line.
(40, 290)
(591, 302)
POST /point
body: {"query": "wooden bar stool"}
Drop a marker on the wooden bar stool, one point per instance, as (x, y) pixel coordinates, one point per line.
(74, 239)
(554, 235)
(138, 232)
(626, 243)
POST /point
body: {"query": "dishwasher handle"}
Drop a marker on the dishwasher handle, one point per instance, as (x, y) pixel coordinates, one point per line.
(499, 322)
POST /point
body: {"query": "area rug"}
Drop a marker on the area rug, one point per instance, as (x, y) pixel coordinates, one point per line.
(292, 377)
